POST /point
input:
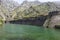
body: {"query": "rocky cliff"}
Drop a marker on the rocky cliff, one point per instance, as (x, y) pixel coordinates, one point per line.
(11, 11)
(9, 4)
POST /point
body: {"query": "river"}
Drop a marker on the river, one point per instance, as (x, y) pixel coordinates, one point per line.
(27, 32)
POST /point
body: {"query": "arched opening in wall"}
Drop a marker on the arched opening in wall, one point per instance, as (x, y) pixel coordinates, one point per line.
(57, 26)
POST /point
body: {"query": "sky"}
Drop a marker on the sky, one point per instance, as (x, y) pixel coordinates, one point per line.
(20, 1)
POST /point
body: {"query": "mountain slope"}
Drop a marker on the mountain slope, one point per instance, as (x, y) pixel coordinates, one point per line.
(32, 11)
(9, 4)
(6, 7)
(26, 10)
(3, 12)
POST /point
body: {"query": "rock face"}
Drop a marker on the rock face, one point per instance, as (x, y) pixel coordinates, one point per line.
(28, 4)
(54, 19)
(38, 21)
(6, 7)
(30, 10)
(9, 4)
(3, 12)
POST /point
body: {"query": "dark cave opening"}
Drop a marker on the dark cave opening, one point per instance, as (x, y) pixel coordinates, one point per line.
(57, 26)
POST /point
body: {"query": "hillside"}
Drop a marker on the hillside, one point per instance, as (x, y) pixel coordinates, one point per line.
(9, 4)
(33, 10)
(6, 7)
(3, 12)
(28, 9)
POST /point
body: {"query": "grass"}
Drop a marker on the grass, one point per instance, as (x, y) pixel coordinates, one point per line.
(28, 32)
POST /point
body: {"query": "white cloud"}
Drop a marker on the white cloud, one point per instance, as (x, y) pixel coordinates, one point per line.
(20, 1)
(48, 0)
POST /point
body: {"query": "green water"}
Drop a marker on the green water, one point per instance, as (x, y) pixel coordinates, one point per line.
(27, 32)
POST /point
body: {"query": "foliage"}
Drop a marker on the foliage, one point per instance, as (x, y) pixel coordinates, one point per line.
(1, 22)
